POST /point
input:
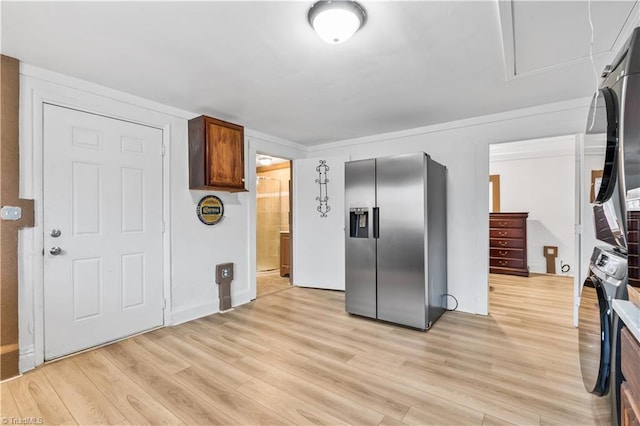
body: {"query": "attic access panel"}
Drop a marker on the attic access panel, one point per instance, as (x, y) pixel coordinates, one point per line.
(540, 35)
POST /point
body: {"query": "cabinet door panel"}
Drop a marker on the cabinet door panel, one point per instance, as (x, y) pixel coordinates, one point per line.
(629, 410)
(226, 147)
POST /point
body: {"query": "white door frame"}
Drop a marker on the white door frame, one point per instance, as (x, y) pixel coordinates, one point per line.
(579, 159)
(37, 87)
(258, 145)
(577, 275)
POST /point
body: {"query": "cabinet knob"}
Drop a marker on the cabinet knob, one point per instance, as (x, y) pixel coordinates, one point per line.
(502, 223)
(502, 234)
(503, 262)
(503, 253)
(502, 243)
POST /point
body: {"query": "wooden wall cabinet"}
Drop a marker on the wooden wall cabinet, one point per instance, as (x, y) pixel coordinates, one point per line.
(216, 155)
(285, 254)
(508, 244)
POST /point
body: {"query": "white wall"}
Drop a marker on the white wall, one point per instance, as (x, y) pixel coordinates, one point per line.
(538, 177)
(191, 249)
(463, 146)
(320, 252)
(197, 248)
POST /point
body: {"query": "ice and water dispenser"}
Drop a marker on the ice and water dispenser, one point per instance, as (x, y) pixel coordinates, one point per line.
(359, 222)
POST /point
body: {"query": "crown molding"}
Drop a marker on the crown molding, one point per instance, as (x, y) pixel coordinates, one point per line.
(578, 103)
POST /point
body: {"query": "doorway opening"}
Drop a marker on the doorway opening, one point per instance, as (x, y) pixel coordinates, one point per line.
(532, 241)
(273, 224)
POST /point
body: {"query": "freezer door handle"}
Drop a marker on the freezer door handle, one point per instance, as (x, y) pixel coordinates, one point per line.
(376, 222)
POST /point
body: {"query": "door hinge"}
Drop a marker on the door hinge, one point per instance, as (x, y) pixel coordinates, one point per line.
(163, 227)
(164, 303)
(163, 150)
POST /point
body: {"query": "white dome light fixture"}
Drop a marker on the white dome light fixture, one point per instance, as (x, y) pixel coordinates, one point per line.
(336, 21)
(264, 160)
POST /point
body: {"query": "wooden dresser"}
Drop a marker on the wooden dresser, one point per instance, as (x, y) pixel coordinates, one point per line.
(508, 243)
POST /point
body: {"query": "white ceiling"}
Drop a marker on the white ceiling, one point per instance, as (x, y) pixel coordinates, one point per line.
(259, 64)
(544, 37)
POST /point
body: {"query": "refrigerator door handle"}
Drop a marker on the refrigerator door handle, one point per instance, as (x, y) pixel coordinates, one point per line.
(376, 222)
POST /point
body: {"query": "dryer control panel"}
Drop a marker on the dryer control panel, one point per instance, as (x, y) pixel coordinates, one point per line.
(609, 265)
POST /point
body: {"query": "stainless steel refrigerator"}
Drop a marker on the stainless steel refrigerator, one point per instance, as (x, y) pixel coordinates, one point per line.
(396, 239)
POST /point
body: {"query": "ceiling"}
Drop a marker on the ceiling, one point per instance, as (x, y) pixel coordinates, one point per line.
(259, 64)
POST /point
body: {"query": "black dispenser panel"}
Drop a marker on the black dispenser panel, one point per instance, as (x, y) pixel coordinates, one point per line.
(359, 223)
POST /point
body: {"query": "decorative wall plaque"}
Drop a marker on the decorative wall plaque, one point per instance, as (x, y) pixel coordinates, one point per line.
(322, 181)
(210, 210)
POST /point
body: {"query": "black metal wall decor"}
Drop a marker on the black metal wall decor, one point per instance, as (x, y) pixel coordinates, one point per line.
(322, 181)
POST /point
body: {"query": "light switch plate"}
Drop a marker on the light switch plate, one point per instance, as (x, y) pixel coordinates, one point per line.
(11, 213)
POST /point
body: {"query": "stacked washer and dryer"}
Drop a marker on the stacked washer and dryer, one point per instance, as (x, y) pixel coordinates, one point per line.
(615, 118)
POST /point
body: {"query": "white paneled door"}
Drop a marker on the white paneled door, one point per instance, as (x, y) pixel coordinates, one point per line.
(102, 229)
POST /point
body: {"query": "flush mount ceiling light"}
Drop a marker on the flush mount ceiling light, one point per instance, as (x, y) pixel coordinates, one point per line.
(336, 21)
(265, 161)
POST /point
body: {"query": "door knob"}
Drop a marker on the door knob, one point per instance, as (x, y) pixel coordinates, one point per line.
(55, 233)
(55, 250)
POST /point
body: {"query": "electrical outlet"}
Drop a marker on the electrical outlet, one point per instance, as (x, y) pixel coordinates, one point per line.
(224, 272)
(11, 213)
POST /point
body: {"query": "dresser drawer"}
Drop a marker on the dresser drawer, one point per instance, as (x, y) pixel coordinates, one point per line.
(506, 243)
(506, 233)
(506, 253)
(506, 263)
(506, 223)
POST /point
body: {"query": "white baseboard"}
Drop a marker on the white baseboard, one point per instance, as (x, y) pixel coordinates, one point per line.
(27, 359)
(189, 314)
(241, 298)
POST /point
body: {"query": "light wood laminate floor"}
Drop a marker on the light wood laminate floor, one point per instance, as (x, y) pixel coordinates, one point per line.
(269, 282)
(295, 357)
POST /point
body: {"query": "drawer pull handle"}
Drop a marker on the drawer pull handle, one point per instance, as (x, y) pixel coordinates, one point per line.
(503, 234)
(503, 253)
(503, 262)
(502, 243)
(502, 223)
